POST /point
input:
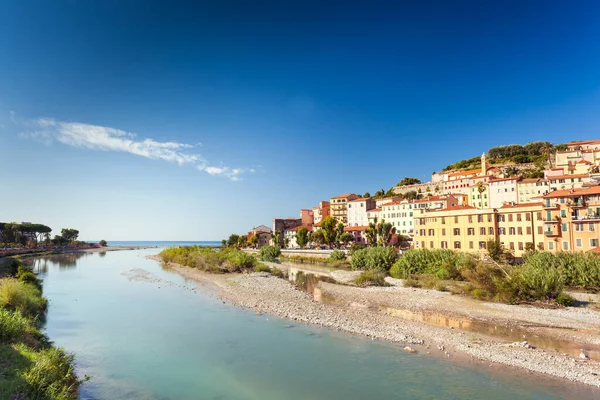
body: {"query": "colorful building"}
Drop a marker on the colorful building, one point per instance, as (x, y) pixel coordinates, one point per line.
(531, 190)
(321, 211)
(339, 207)
(357, 211)
(503, 191)
(572, 219)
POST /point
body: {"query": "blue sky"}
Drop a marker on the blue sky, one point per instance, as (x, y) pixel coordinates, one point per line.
(190, 120)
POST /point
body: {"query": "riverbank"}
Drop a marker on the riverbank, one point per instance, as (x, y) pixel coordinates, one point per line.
(399, 314)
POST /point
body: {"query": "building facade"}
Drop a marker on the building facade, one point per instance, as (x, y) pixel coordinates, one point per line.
(465, 228)
(339, 207)
(503, 191)
(357, 211)
(531, 190)
(321, 211)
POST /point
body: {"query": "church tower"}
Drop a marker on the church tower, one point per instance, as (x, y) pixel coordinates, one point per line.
(483, 165)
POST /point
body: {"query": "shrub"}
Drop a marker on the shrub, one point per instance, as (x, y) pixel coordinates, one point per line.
(13, 326)
(269, 253)
(51, 376)
(23, 297)
(277, 272)
(27, 276)
(242, 260)
(374, 258)
(537, 281)
(355, 247)
(443, 264)
(565, 300)
(261, 268)
(370, 278)
(337, 255)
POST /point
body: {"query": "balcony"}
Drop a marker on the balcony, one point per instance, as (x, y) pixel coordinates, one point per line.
(551, 205)
(551, 233)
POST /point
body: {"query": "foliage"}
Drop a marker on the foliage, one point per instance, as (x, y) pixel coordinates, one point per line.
(409, 181)
(367, 195)
(374, 258)
(69, 235)
(302, 237)
(345, 238)
(277, 272)
(356, 247)
(51, 375)
(337, 255)
(23, 297)
(577, 269)
(13, 326)
(103, 243)
(261, 268)
(565, 300)
(242, 242)
(370, 278)
(241, 260)
(233, 240)
(495, 250)
(443, 264)
(269, 253)
(385, 231)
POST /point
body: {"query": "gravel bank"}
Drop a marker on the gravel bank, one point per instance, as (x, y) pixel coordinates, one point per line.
(358, 310)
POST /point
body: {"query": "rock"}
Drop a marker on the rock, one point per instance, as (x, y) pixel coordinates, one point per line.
(582, 355)
(409, 349)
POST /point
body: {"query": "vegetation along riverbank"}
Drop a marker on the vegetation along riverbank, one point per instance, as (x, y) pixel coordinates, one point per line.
(512, 318)
(31, 367)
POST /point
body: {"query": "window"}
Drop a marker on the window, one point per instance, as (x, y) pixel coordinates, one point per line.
(443, 220)
(527, 217)
(578, 242)
(491, 230)
(540, 230)
(482, 231)
(470, 219)
(565, 245)
(489, 217)
(431, 232)
(519, 217)
(541, 246)
(456, 231)
(470, 245)
(510, 217)
(593, 243)
(482, 245)
(423, 244)
(431, 245)
(457, 245)
(456, 219)
(480, 218)
(520, 245)
(592, 227)
(444, 245)
(578, 227)
(520, 230)
(501, 231)
(512, 245)
(443, 231)
(511, 231)
(563, 213)
(471, 231)
(539, 216)
(501, 218)
(564, 227)
(529, 230)
(550, 245)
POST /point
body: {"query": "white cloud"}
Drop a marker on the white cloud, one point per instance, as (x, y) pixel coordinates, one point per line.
(94, 137)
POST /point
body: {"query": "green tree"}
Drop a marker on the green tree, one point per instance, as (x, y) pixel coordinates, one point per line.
(253, 240)
(103, 243)
(233, 240)
(346, 238)
(70, 235)
(318, 236)
(367, 195)
(328, 226)
(242, 242)
(385, 231)
(495, 250)
(371, 233)
(408, 181)
(302, 237)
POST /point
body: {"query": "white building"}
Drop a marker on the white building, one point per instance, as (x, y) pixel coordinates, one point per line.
(503, 191)
(357, 211)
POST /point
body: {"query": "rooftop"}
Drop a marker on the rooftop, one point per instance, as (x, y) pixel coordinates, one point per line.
(573, 192)
(344, 196)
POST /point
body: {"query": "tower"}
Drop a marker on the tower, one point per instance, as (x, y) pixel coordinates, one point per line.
(483, 165)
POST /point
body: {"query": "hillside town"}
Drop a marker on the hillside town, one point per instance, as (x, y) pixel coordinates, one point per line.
(559, 210)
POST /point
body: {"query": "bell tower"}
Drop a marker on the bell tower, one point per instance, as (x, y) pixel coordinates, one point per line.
(483, 164)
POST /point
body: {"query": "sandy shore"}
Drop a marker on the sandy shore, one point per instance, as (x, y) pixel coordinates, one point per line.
(397, 313)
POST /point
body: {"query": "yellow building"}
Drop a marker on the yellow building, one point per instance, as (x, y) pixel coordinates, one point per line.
(531, 189)
(572, 220)
(518, 227)
(339, 207)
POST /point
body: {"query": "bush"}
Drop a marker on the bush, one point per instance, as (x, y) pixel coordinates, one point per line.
(443, 264)
(22, 297)
(51, 376)
(538, 281)
(261, 268)
(355, 247)
(337, 255)
(277, 272)
(269, 253)
(26, 276)
(374, 258)
(242, 260)
(565, 300)
(370, 278)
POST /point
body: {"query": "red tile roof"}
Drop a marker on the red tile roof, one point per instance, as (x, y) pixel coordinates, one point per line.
(355, 228)
(469, 172)
(359, 199)
(517, 205)
(344, 196)
(568, 176)
(512, 178)
(573, 192)
(374, 210)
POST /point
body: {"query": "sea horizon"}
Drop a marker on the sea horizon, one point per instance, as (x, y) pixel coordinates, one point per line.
(159, 243)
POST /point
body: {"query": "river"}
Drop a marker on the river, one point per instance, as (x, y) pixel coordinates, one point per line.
(150, 334)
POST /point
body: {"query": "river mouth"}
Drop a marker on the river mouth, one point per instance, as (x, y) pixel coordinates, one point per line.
(512, 335)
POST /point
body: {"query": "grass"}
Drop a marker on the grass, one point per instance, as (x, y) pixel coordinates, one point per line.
(375, 258)
(209, 260)
(30, 367)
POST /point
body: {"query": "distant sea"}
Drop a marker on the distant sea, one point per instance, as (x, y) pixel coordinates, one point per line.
(158, 243)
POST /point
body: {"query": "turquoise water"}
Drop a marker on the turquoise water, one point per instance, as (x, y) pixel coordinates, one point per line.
(158, 339)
